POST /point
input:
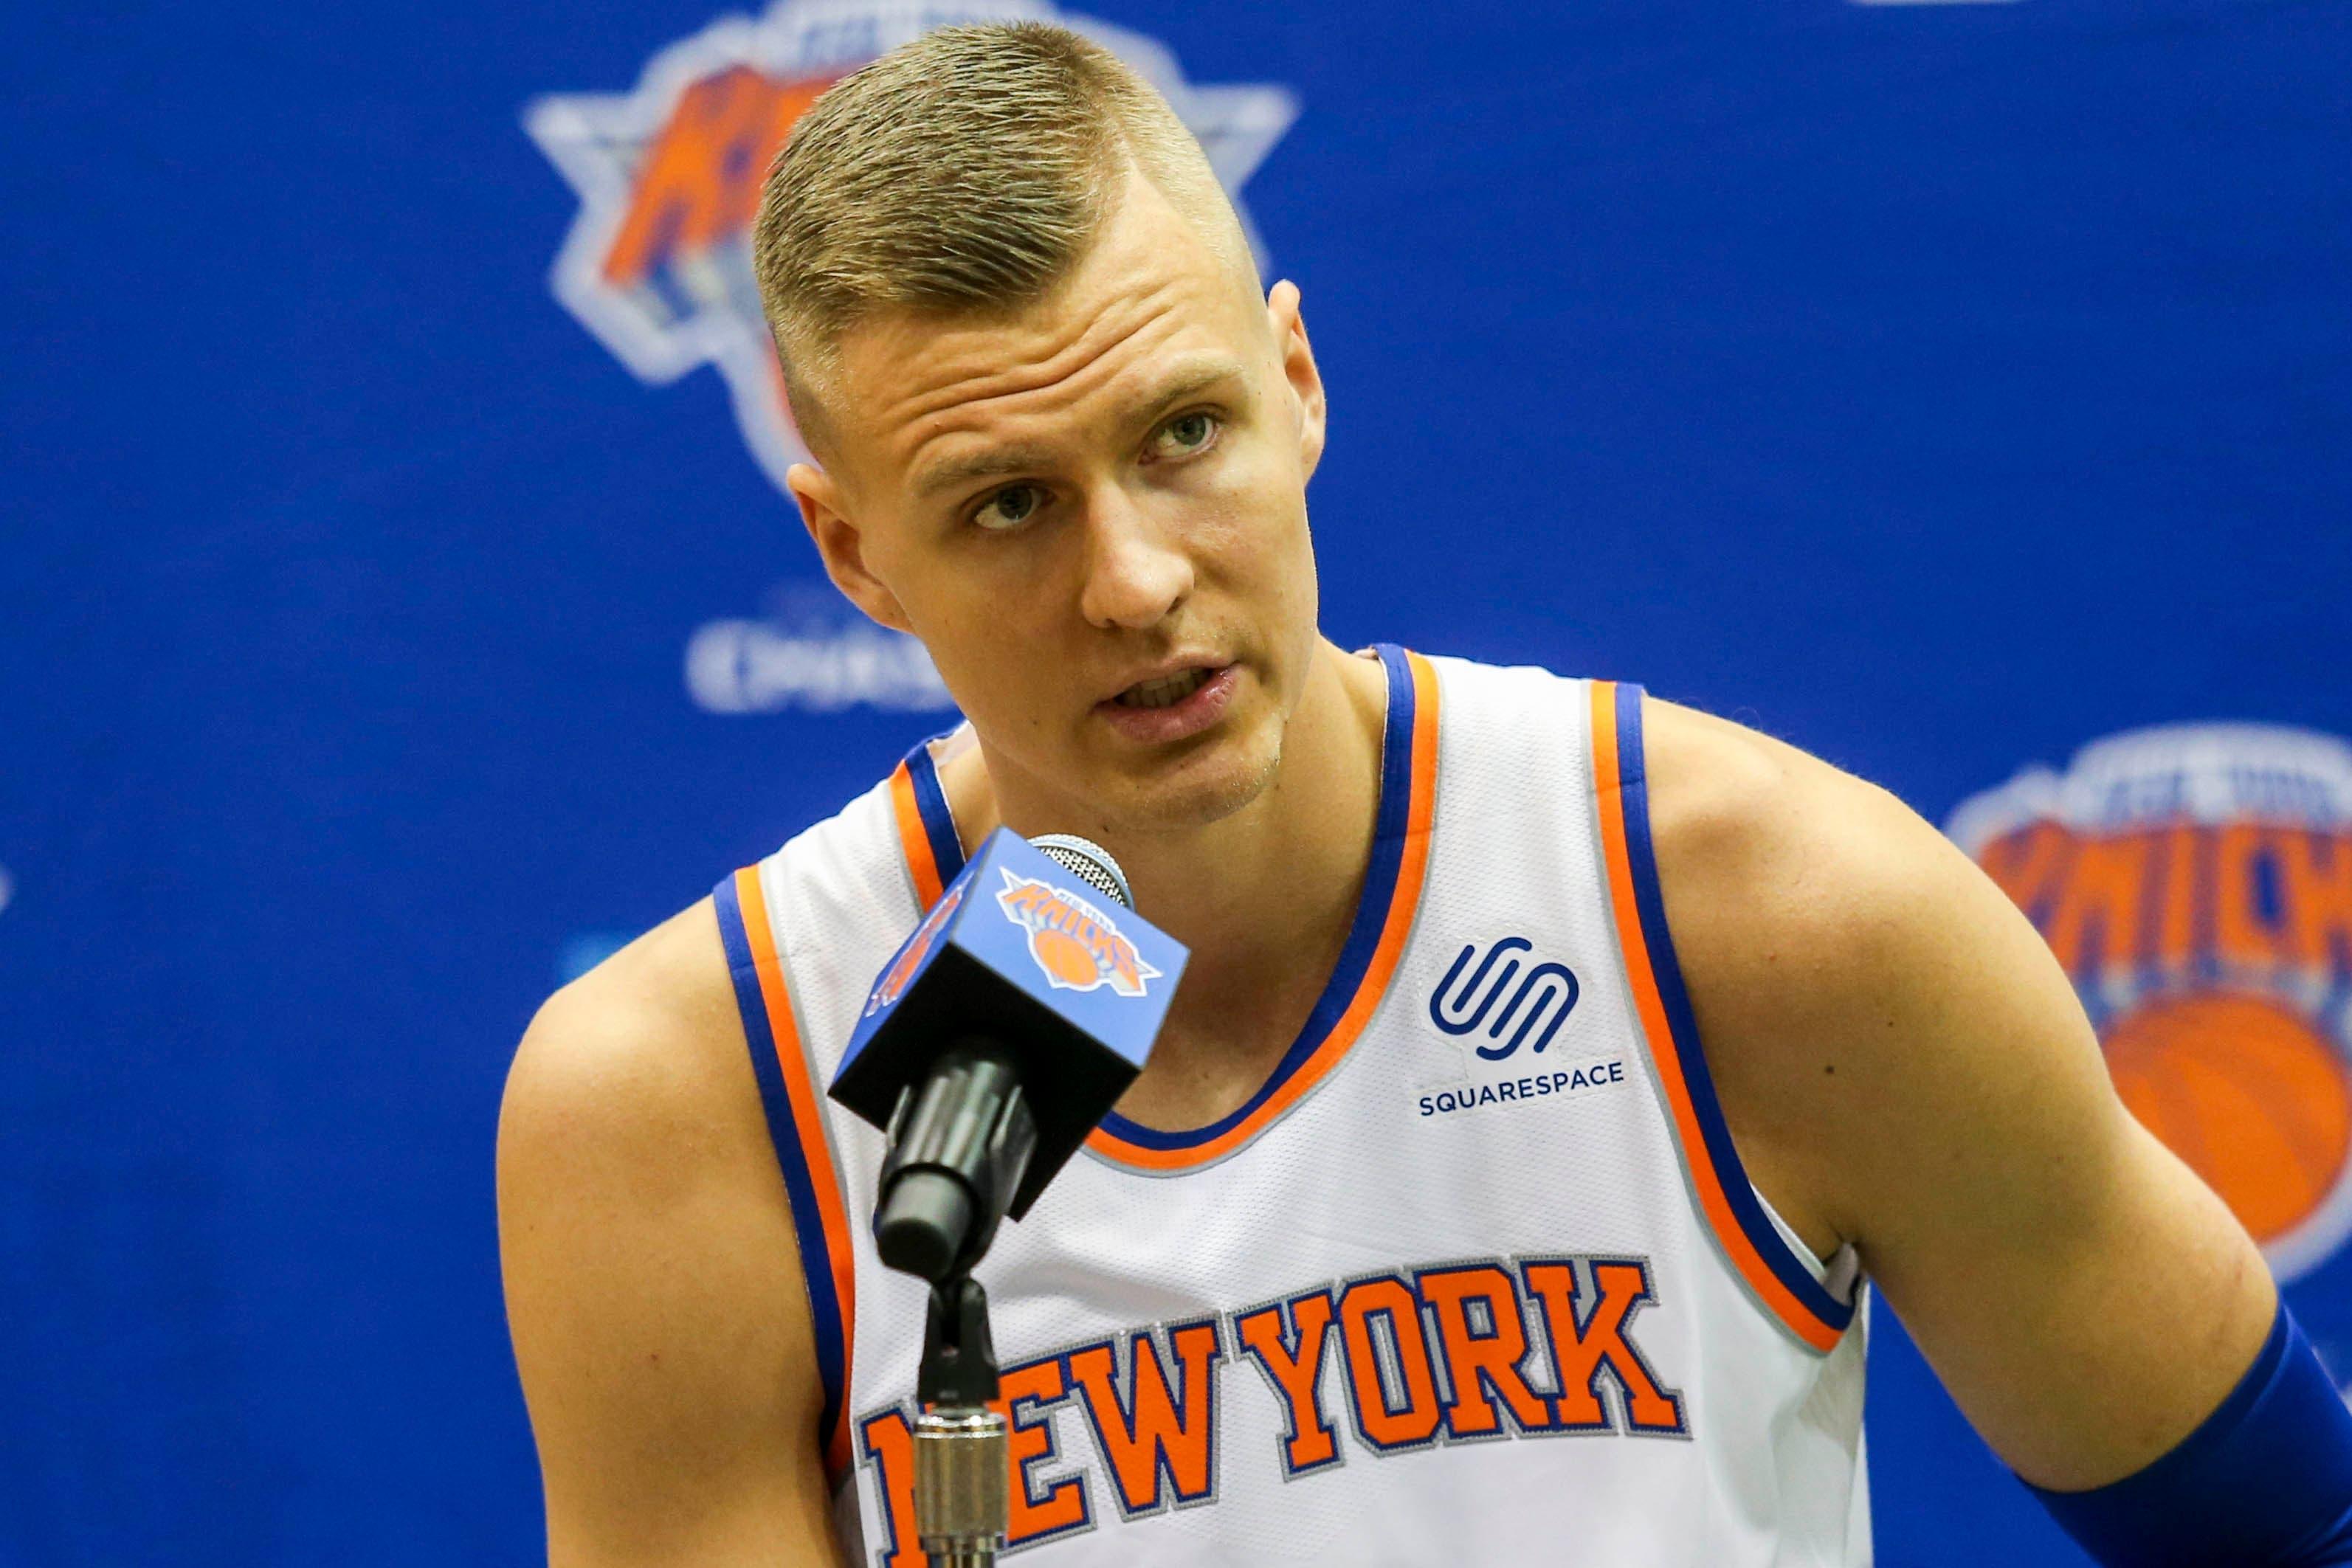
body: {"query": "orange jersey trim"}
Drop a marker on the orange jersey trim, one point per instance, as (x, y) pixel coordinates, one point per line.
(914, 839)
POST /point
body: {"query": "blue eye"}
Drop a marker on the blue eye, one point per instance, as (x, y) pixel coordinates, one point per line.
(1010, 507)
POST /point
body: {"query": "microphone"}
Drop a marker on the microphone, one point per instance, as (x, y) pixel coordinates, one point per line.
(997, 1037)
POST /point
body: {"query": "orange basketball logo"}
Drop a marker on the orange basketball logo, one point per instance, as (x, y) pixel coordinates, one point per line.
(2196, 882)
(1076, 946)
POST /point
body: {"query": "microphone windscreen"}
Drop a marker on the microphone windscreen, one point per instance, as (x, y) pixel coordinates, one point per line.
(1089, 862)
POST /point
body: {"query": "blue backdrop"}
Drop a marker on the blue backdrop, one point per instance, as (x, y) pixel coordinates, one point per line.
(387, 630)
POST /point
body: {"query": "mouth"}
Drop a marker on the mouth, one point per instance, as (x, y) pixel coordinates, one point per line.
(1172, 706)
(1165, 691)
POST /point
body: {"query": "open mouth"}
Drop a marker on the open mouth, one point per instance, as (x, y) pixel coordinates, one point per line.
(1166, 692)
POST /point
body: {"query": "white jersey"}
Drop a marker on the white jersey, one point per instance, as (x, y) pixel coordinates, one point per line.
(1475, 1277)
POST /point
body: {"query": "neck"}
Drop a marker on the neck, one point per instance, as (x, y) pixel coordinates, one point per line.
(1263, 898)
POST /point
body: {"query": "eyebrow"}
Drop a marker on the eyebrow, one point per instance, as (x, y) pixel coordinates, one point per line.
(1000, 462)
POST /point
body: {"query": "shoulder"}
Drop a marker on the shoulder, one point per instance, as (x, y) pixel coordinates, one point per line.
(632, 1110)
(1773, 841)
(659, 1326)
(642, 1049)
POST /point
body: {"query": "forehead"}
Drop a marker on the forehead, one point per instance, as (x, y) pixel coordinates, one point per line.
(1151, 303)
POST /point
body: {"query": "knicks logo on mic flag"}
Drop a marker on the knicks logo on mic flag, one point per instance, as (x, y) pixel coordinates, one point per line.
(910, 958)
(2195, 882)
(1076, 947)
(657, 264)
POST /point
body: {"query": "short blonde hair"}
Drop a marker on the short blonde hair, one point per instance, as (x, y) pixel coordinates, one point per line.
(965, 172)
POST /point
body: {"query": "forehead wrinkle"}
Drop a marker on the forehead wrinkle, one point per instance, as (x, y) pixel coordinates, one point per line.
(993, 379)
(984, 465)
(1189, 375)
(1097, 369)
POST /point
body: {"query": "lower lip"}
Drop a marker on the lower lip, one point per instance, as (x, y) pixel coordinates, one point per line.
(1194, 714)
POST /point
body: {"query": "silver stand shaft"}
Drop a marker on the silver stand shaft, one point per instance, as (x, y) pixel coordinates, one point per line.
(962, 1485)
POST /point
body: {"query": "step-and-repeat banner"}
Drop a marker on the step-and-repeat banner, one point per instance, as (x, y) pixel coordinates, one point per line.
(402, 610)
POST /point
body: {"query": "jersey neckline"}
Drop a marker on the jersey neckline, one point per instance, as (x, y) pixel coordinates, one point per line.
(1384, 911)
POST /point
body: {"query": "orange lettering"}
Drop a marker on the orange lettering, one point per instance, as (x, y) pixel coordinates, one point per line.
(2315, 878)
(1029, 1440)
(1580, 1350)
(2248, 926)
(1478, 1362)
(1384, 1426)
(2027, 863)
(2176, 916)
(1296, 1368)
(1143, 1439)
(2099, 903)
(890, 1445)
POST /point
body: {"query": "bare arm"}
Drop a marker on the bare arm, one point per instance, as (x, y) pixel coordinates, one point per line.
(653, 1285)
(1906, 1067)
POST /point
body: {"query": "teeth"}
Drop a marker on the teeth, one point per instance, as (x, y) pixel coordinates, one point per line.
(1163, 693)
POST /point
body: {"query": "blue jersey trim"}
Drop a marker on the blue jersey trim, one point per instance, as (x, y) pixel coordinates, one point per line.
(931, 801)
(800, 1182)
(1649, 900)
(1363, 934)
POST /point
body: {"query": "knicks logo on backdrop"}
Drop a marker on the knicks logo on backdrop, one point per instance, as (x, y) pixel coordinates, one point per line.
(657, 264)
(2196, 882)
(1076, 947)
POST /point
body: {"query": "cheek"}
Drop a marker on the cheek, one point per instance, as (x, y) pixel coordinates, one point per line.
(1254, 519)
(1003, 670)
(964, 604)
(1274, 544)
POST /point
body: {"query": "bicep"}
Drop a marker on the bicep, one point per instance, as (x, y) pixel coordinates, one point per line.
(2086, 1298)
(1906, 1067)
(658, 1320)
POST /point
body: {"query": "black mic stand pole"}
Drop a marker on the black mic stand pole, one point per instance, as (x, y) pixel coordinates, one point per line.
(958, 1150)
(963, 1481)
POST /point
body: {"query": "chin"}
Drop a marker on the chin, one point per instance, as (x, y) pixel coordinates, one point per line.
(1207, 788)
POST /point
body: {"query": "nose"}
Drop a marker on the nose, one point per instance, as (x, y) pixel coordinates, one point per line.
(1135, 574)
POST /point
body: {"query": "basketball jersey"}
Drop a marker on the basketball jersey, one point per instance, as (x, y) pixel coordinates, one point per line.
(1474, 1277)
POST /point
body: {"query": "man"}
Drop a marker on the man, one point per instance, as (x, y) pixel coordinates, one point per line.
(1430, 1160)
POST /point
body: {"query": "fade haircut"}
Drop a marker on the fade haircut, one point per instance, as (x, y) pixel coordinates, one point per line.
(964, 173)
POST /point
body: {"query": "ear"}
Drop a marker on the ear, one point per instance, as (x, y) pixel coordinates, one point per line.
(1299, 370)
(842, 547)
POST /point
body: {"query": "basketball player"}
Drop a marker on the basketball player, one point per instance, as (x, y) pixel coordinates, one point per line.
(1553, 1067)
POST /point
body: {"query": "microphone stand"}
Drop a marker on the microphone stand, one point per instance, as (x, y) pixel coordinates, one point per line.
(962, 1479)
(957, 1149)
(961, 1139)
